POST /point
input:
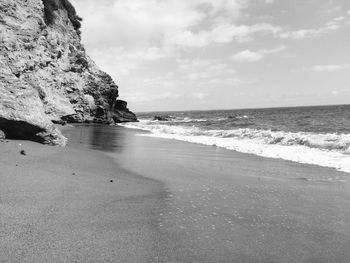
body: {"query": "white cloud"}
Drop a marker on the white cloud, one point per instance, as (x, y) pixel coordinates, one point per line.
(332, 25)
(141, 97)
(221, 34)
(247, 56)
(183, 23)
(122, 61)
(245, 33)
(204, 69)
(253, 56)
(339, 18)
(335, 92)
(301, 34)
(273, 50)
(330, 68)
(140, 23)
(200, 95)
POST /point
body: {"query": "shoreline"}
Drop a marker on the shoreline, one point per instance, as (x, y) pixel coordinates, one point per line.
(170, 201)
(299, 152)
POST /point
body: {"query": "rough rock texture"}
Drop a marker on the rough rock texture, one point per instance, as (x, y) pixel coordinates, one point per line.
(45, 74)
(120, 112)
(162, 118)
(2, 135)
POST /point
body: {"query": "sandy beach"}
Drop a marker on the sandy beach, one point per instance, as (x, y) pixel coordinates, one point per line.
(169, 201)
(59, 205)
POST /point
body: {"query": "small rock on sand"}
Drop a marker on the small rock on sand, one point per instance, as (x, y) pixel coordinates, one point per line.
(2, 135)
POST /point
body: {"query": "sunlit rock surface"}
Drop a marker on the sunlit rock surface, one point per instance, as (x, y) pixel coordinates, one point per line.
(46, 75)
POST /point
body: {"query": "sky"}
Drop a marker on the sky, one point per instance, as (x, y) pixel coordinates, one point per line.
(221, 54)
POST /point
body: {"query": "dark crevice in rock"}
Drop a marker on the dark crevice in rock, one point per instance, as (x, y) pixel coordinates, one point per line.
(41, 92)
(21, 130)
(60, 122)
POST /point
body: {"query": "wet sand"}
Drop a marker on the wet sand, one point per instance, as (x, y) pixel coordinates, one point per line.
(58, 205)
(170, 201)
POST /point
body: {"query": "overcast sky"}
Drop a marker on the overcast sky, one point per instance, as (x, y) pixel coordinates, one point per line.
(221, 54)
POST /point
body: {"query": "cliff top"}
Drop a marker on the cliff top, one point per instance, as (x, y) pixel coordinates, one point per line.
(50, 6)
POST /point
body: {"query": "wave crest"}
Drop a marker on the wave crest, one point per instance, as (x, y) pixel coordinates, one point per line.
(330, 150)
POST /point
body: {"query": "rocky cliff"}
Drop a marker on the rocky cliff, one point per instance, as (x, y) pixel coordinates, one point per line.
(46, 75)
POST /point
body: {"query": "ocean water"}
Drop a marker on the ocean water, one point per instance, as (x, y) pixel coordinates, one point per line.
(312, 135)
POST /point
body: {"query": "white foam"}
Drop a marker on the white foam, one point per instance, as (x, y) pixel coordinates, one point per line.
(327, 150)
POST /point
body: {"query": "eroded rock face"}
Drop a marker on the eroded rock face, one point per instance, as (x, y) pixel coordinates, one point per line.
(121, 113)
(45, 74)
(22, 115)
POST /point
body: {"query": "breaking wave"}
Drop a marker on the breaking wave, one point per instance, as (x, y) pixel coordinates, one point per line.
(328, 150)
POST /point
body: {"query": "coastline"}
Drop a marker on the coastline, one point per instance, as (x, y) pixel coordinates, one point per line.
(228, 206)
(170, 201)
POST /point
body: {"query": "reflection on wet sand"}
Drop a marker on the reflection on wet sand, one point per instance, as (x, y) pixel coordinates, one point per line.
(99, 137)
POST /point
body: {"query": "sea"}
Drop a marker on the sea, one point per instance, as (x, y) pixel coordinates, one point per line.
(317, 135)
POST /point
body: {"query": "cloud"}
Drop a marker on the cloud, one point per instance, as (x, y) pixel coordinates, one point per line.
(253, 56)
(247, 56)
(122, 61)
(335, 92)
(141, 97)
(204, 69)
(302, 33)
(334, 24)
(221, 34)
(200, 95)
(182, 23)
(330, 68)
(140, 23)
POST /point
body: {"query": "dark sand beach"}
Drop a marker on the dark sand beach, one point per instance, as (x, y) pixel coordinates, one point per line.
(169, 201)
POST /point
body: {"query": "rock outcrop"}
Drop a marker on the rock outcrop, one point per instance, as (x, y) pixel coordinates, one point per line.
(162, 118)
(2, 135)
(45, 74)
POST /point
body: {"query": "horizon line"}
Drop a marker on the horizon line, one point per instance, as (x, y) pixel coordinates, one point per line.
(257, 108)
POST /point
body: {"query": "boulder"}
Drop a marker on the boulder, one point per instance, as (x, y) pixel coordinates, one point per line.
(120, 112)
(2, 135)
(121, 105)
(162, 118)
